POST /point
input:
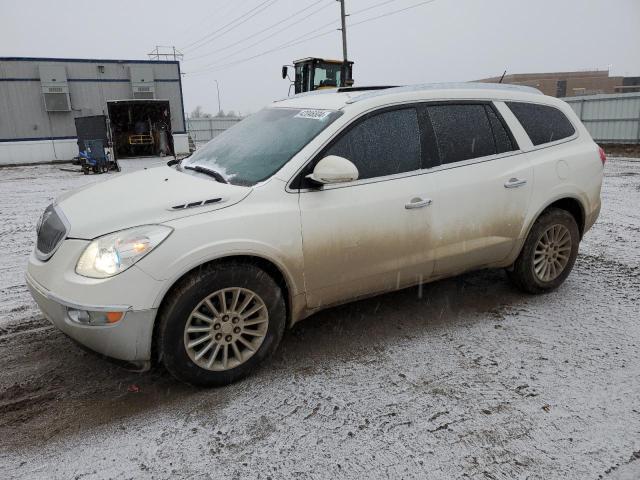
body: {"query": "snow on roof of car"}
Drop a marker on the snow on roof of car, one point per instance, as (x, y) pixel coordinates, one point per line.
(337, 98)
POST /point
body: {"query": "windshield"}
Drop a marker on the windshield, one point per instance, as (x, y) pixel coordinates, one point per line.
(327, 75)
(261, 144)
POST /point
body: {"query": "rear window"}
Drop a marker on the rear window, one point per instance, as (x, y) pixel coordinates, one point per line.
(543, 124)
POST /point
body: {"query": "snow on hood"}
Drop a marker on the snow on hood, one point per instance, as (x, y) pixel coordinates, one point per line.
(141, 198)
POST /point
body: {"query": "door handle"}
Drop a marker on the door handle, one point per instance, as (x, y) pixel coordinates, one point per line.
(418, 202)
(514, 183)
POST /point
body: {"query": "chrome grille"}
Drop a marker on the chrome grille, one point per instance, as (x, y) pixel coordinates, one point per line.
(51, 230)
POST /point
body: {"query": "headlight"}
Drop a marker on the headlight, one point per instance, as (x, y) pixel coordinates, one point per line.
(114, 253)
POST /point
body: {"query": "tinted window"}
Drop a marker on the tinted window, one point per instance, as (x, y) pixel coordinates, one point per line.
(542, 123)
(462, 132)
(383, 144)
(502, 138)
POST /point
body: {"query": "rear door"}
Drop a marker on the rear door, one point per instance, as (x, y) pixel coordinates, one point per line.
(480, 191)
(368, 236)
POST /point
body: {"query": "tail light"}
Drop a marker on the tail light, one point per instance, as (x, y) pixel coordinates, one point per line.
(603, 156)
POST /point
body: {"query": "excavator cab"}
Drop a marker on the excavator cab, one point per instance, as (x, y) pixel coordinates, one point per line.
(317, 73)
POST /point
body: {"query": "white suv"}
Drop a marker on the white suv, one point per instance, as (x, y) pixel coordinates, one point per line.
(316, 200)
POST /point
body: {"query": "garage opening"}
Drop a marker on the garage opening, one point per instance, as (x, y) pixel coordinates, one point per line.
(140, 128)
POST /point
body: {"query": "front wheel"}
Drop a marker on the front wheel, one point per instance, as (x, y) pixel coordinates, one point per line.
(220, 324)
(548, 254)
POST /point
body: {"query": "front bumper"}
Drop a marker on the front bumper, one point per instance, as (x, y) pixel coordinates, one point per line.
(128, 340)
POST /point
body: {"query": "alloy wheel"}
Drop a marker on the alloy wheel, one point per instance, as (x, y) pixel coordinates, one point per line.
(552, 253)
(226, 329)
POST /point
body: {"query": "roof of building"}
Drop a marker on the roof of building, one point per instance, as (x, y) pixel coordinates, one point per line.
(549, 75)
(81, 60)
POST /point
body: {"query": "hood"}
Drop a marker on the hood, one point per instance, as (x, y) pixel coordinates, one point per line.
(154, 195)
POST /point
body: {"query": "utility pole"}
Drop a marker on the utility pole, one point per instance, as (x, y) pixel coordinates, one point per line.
(343, 18)
(345, 58)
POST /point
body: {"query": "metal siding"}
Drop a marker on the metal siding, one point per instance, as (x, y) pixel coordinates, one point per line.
(21, 103)
(171, 92)
(613, 118)
(204, 129)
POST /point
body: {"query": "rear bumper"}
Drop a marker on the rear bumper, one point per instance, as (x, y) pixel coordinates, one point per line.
(128, 340)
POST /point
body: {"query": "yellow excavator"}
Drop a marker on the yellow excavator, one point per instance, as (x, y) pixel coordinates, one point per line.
(313, 73)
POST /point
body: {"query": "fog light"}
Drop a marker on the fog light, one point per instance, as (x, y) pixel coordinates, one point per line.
(86, 317)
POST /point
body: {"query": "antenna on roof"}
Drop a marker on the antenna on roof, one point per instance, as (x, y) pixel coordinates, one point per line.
(502, 77)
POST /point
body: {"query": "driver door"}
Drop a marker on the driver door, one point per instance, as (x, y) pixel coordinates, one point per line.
(368, 236)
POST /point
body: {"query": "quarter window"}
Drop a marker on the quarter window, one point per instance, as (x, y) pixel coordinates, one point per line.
(543, 124)
(462, 132)
(384, 144)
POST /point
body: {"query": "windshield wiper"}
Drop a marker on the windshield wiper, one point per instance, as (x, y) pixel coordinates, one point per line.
(206, 171)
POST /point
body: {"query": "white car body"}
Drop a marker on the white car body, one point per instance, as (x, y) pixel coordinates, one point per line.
(328, 245)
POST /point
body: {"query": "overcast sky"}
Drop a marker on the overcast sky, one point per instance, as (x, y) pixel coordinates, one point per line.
(446, 40)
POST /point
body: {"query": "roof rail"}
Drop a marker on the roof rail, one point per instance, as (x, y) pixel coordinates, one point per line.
(366, 88)
(323, 91)
(445, 86)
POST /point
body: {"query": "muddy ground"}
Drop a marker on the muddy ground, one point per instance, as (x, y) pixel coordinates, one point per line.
(469, 379)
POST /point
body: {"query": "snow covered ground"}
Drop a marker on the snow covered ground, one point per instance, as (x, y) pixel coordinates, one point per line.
(469, 379)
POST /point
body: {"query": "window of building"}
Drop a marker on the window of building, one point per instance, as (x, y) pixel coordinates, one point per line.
(543, 124)
(561, 88)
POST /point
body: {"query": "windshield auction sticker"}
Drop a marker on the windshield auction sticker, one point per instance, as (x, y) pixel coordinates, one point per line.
(313, 114)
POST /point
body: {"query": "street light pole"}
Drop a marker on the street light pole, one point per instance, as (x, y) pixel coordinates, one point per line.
(218, 89)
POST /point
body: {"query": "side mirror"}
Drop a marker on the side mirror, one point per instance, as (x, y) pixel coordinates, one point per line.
(285, 71)
(333, 169)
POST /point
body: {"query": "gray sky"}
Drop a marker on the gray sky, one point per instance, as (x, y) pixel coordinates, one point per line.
(447, 40)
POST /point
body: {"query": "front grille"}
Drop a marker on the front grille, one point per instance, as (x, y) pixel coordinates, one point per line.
(51, 231)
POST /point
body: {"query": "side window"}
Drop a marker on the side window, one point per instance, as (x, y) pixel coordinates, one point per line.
(383, 144)
(502, 138)
(462, 131)
(543, 124)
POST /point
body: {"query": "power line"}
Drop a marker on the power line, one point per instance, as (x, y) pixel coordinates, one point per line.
(230, 26)
(221, 49)
(282, 30)
(301, 39)
(393, 12)
(288, 43)
(275, 49)
(372, 7)
(218, 14)
(218, 60)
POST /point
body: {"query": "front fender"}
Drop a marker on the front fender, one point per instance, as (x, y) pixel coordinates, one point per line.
(222, 251)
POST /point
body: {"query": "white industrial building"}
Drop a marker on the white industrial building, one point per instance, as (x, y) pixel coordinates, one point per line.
(44, 102)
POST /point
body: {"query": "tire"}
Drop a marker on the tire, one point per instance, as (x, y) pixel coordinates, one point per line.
(186, 301)
(527, 272)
